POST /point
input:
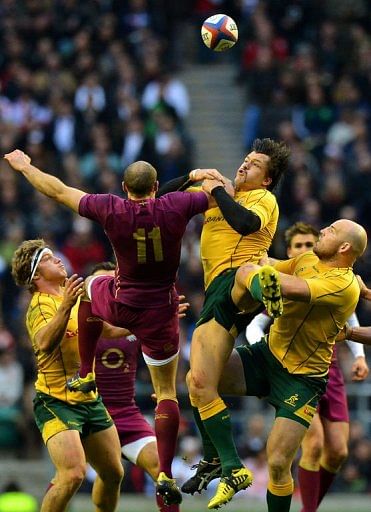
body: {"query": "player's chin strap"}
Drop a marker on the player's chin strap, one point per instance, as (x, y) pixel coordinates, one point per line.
(36, 258)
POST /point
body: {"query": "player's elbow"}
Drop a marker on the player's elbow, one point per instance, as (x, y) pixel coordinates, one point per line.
(69, 197)
(45, 344)
(252, 225)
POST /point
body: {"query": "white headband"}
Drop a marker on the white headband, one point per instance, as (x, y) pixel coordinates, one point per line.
(36, 258)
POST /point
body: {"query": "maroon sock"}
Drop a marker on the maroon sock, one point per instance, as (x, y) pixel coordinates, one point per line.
(137, 478)
(166, 428)
(89, 333)
(309, 489)
(325, 480)
(165, 508)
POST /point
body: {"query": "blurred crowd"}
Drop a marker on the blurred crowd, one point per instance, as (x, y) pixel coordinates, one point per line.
(86, 88)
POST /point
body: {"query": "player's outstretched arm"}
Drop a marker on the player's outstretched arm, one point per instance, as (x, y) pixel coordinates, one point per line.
(188, 180)
(45, 183)
(241, 219)
(365, 291)
(350, 333)
(359, 334)
(294, 288)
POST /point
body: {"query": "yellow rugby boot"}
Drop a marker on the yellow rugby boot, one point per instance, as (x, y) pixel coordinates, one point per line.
(240, 479)
(271, 290)
(84, 384)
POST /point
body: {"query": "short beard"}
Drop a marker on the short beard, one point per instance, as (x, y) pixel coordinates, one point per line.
(323, 255)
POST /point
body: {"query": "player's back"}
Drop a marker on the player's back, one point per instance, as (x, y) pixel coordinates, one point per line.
(146, 237)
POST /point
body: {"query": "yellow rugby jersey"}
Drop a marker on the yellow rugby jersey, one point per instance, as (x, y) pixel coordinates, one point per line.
(54, 368)
(302, 339)
(223, 248)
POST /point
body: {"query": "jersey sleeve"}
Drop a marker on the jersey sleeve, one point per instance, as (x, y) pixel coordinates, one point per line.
(286, 266)
(40, 315)
(327, 291)
(193, 202)
(262, 203)
(289, 266)
(96, 206)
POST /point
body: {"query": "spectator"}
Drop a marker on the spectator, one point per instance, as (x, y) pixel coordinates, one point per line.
(10, 395)
(82, 248)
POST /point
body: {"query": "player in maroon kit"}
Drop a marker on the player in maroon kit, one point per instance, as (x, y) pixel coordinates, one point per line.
(116, 362)
(145, 233)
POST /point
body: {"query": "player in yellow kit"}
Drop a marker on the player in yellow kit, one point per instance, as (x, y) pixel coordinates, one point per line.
(75, 426)
(316, 293)
(237, 230)
(325, 444)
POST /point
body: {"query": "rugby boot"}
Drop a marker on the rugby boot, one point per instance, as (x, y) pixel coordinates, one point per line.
(206, 471)
(271, 290)
(84, 384)
(240, 479)
(167, 488)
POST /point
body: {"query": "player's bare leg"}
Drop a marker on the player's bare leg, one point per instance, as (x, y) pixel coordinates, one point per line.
(148, 460)
(283, 443)
(68, 457)
(335, 449)
(103, 452)
(240, 295)
(232, 381)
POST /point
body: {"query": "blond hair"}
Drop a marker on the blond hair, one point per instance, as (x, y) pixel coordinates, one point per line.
(21, 262)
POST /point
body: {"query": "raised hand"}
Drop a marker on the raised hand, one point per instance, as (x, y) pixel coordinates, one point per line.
(73, 289)
(18, 160)
(229, 187)
(208, 185)
(207, 174)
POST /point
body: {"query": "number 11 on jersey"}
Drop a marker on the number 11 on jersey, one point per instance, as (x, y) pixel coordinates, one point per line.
(141, 237)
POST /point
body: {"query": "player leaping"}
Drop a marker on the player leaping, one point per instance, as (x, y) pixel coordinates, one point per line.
(145, 234)
(238, 230)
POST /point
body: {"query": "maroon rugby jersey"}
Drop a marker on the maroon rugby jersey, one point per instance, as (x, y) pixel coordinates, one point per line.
(146, 238)
(115, 370)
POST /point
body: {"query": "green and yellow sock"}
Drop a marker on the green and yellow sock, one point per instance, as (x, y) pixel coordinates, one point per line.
(210, 453)
(217, 422)
(279, 496)
(252, 283)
